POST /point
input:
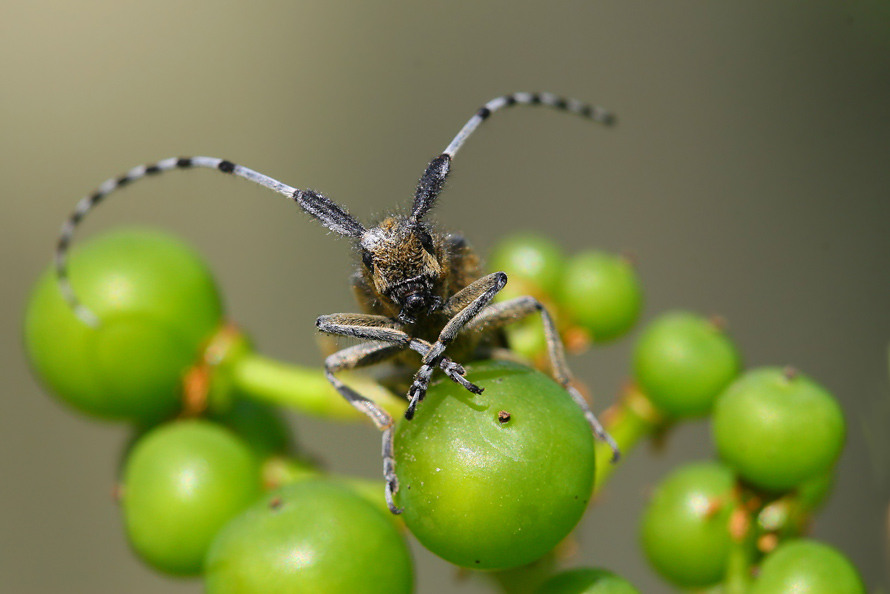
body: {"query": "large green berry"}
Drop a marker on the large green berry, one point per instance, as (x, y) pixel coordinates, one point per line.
(587, 581)
(156, 303)
(682, 362)
(182, 482)
(312, 536)
(685, 528)
(495, 480)
(531, 262)
(778, 428)
(602, 293)
(807, 567)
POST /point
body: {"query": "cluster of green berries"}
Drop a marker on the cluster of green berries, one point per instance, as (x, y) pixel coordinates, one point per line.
(594, 296)
(214, 484)
(777, 433)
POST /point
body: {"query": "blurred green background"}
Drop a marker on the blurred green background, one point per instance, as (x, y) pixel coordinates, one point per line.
(749, 176)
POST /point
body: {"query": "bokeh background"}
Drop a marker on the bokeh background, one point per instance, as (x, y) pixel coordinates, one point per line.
(749, 176)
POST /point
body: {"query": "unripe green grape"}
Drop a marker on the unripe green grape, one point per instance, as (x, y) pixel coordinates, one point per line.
(313, 536)
(495, 480)
(587, 581)
(807, 567)
(527, 338)
(531, 261)
(778, 428)
(602, 293)
(182, 482)
(685, 528)
(682, 362)
(157, 304)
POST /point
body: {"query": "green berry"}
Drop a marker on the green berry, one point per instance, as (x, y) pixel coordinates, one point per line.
(778, 428)
(310, 536)
(602, 293)
(495, 480)
(157, 304)
(682, 362)
(531, 261)
(587, 581)
(182, 482)
(685, 528)
(527, 338)
(807, 567)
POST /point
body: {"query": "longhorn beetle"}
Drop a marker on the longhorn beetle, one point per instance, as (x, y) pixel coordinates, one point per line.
(421, 290)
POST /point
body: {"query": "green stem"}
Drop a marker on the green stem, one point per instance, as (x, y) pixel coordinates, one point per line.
(743, 548)
(306, 389)
(738, 568)
(628, 421)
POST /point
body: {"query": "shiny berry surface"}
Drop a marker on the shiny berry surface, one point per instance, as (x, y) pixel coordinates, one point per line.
(157, 304)
(778, 428)
(181, 483)
(311, 536)
(494, 480)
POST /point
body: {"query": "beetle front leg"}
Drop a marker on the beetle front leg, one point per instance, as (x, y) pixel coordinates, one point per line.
(500, 314)
(353, 358)
(463, 306)
(387, 330)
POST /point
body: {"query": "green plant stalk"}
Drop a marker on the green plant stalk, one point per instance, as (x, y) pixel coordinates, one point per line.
(630, 420)
(741, 558)
(306, 389)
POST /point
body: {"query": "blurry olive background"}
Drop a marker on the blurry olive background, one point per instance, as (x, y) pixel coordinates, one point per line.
(749, 176)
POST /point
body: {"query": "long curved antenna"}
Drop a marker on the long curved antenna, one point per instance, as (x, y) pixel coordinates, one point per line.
(328, 213)
(433, 179)
(593, 112)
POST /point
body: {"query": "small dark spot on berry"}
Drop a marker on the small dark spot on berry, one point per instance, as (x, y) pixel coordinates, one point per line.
(503, 417)
(275, 503)
(478, 561)
(576, 497)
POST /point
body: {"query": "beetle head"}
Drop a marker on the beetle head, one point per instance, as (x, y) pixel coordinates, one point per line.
(400, 259)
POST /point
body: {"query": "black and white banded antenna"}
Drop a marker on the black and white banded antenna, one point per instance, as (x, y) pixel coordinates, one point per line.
(328, 213)
(433, 179)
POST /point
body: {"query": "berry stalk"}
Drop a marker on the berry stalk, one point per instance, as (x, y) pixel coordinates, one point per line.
(630, 420)
(305, 389)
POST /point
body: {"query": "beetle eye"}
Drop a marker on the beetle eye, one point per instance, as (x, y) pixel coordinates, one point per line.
(367, 261)
(425, 240)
